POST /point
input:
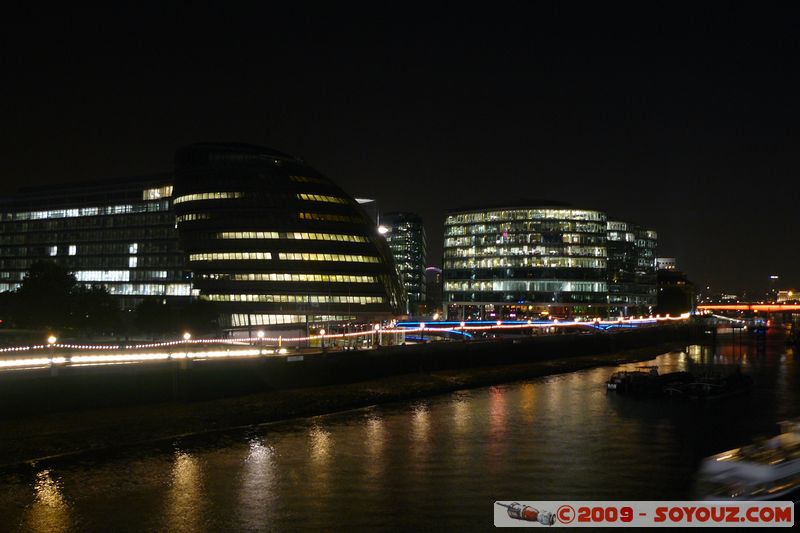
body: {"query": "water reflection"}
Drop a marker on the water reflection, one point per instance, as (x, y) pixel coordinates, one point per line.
(445, 458)
(185, 498)
(49, 511)
(258, 486)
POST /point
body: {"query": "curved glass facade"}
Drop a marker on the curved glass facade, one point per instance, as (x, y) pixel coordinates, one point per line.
(524, 259)
(274, 242)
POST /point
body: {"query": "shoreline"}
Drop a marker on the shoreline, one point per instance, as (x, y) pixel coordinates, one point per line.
(55, 436)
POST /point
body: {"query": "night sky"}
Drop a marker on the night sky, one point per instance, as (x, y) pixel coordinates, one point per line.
(683, 118)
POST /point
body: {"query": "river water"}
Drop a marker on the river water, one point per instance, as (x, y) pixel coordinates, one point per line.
(440, 461)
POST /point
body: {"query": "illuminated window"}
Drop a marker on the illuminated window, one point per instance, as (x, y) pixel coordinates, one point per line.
(189, 217)
(345, 258)
(295, 298)
(303, 278)
(328, 217)
(230, 256)
(291, 235)
(157, 193)
(322, 198)
(207, 196)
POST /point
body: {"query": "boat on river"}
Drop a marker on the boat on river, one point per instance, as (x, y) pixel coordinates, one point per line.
(645, 381)
(700, 383)
(767, 469)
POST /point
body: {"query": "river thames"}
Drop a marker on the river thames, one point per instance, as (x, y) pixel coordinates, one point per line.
(440, 461)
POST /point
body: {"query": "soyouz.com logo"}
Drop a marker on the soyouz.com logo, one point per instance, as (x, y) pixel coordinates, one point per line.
(644, 514)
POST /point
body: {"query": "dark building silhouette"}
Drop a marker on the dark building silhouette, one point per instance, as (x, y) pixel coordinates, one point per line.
(405, 234)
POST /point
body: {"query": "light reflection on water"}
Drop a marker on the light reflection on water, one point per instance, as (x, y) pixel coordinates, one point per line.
(445, 458)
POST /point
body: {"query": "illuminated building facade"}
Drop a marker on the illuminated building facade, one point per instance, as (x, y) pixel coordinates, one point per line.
(631, 269)
(268, 239)
(405, 235)
(275, 243)
(525, 261)
(117, 233)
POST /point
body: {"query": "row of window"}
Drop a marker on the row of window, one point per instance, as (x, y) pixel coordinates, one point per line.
(230, 256)
(207, 196)
(90, 234)
(92, 262)
(295, 298)
(542, 227)
(143, 207)
(526, 286)
(347, 258)
(89, 223)
(245, 320)
(556, 238)
(526, 214)
(150, 289)
(156, 193)
(279, 276)
(526, 262)
(291, 235)
(580, 251)
(322, 198)
(189, 217)
(329, 217)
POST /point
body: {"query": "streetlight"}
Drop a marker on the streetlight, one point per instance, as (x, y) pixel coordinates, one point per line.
(260, 335)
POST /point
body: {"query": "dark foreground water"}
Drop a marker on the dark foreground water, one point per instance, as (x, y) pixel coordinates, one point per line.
(442, 461)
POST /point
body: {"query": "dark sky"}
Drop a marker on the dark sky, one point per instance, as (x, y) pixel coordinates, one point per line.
(680, 117)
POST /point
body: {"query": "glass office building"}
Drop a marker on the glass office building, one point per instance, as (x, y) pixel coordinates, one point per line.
(405, 234)
(267, 238)
(525, 261)
(631, 269)
(116, 233)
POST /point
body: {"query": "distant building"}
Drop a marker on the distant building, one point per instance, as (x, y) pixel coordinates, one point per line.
(271, 241)
(666, 263)
(631, 269)
(405, 235)
(789, 295)
(525, 260)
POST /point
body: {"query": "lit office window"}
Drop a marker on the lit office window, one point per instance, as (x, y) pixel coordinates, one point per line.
(291, 235)
(207, 196)
(230, 256)
(102, 275)
(321, 198)
(303, 278)
(328, 217)
(189, 217)
(295, 298)
(157, 193)
(345, 258)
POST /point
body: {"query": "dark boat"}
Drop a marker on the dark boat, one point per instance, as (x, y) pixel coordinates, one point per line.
(646, 381)
(702, 383)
